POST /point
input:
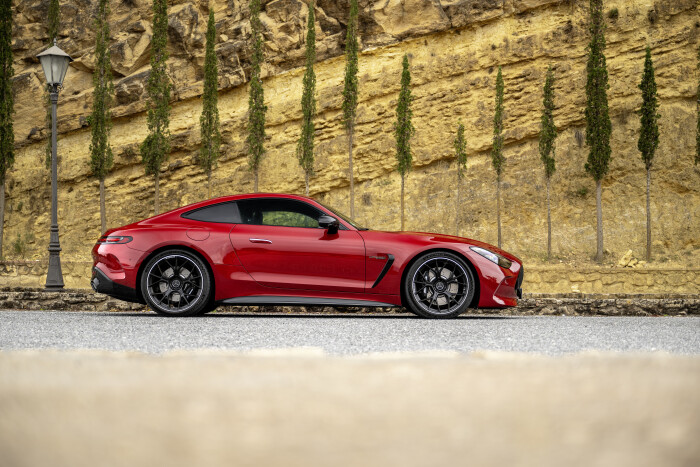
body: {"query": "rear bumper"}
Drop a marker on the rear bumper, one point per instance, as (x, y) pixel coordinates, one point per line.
(102, 284)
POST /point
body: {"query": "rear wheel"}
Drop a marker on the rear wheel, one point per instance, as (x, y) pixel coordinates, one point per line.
(439, 285)
(176, 283)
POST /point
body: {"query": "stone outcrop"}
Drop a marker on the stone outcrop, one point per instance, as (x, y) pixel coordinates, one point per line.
(454, 47)
(605, 306)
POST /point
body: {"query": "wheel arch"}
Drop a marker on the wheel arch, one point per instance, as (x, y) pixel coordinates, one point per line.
(475, 301)
(186, 248)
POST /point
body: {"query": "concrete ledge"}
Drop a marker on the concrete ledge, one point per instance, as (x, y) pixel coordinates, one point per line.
(611, 280)
(32, 273)
(531, 304)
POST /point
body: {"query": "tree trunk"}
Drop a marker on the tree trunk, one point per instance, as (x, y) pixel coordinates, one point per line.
(459, 205)
(209, 184)
(306, 181)
(498, 208)
(351, 175)
(402, 202)
(103, 210)
(255, 179)
(2, 213)
(599, 215)
(549, 224)
(648, 215)
(156, 208)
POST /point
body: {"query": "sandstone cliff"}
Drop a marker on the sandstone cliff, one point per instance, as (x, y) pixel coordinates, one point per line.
(453, 45)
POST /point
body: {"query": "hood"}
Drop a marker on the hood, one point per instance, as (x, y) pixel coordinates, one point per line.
(444, 238)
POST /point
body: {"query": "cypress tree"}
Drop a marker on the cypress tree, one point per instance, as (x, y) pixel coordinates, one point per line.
(350, 93)
(209, 121)
(460, 145)
(53, 18)
(598, 126)
(7, 135)
(305, 147)
(697, 137)
(497, 159)
(156, 146)
(101, 159)
(256, 100)
(548, 134)
(403, 129)
(649, 131)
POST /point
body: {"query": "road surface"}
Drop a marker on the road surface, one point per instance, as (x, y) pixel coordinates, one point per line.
(347, 335)
(109, 389)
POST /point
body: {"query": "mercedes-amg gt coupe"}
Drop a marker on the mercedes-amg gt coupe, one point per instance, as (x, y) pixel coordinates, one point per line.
(274, 249)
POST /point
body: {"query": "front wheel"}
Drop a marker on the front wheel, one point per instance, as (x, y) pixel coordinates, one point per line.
(439, 285)
(176, 283)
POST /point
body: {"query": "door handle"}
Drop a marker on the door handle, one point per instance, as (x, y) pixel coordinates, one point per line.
(259, 240)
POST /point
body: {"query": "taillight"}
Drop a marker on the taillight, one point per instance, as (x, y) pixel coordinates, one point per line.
(114, 239)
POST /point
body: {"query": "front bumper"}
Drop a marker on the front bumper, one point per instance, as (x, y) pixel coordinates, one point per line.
(519, 283)
(102, 284)
(500, 288)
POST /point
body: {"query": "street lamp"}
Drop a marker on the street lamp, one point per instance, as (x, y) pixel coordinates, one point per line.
(55, 62)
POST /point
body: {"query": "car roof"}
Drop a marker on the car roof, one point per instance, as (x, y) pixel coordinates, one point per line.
(223, 199)
(166, 216)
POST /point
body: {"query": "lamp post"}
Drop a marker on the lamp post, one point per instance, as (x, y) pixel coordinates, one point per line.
(54, 61)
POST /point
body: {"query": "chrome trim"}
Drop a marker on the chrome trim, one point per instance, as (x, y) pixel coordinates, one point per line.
(259, 240)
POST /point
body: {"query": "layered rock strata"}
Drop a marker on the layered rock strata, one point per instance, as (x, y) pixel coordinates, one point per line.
(454, 47)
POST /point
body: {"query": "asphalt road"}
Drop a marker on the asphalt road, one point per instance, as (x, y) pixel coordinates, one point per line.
(347, 335)
(114, 389)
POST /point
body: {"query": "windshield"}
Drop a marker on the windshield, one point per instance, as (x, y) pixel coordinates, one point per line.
(343, 217)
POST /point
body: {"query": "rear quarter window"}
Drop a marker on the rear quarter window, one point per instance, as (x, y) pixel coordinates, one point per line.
(222, 213)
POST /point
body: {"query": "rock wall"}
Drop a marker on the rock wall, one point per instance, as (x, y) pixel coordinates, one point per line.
(538, 279)
(454, 47)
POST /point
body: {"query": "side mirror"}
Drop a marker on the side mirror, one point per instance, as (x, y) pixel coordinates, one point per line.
(329, 223)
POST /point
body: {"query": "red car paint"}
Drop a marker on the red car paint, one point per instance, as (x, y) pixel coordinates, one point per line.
(299, 262)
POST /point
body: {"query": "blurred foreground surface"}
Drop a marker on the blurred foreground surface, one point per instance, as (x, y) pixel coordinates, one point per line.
(302, 407)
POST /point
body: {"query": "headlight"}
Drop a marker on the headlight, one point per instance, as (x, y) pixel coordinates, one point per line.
(493, 257)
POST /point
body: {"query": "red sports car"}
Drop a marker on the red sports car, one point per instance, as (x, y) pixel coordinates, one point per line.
(272, 249)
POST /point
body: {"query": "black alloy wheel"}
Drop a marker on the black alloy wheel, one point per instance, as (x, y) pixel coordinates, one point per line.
(439, 285)
(176, 283)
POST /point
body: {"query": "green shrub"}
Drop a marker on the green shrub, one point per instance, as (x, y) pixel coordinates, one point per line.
(19, 247)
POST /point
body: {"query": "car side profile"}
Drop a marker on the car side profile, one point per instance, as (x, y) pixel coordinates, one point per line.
(275, 249)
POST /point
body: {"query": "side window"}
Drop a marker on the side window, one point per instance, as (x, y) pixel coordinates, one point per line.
(280, 212)
(223, 213)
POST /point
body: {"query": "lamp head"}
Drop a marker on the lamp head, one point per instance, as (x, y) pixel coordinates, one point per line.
(54, 62)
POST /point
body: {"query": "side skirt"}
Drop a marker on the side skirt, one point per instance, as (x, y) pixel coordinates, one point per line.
(302, 301)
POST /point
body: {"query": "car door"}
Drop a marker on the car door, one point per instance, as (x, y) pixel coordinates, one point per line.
(281, 246)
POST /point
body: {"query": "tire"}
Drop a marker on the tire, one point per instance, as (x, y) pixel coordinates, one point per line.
(439, 285)
(176, 283)
(211, 306)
